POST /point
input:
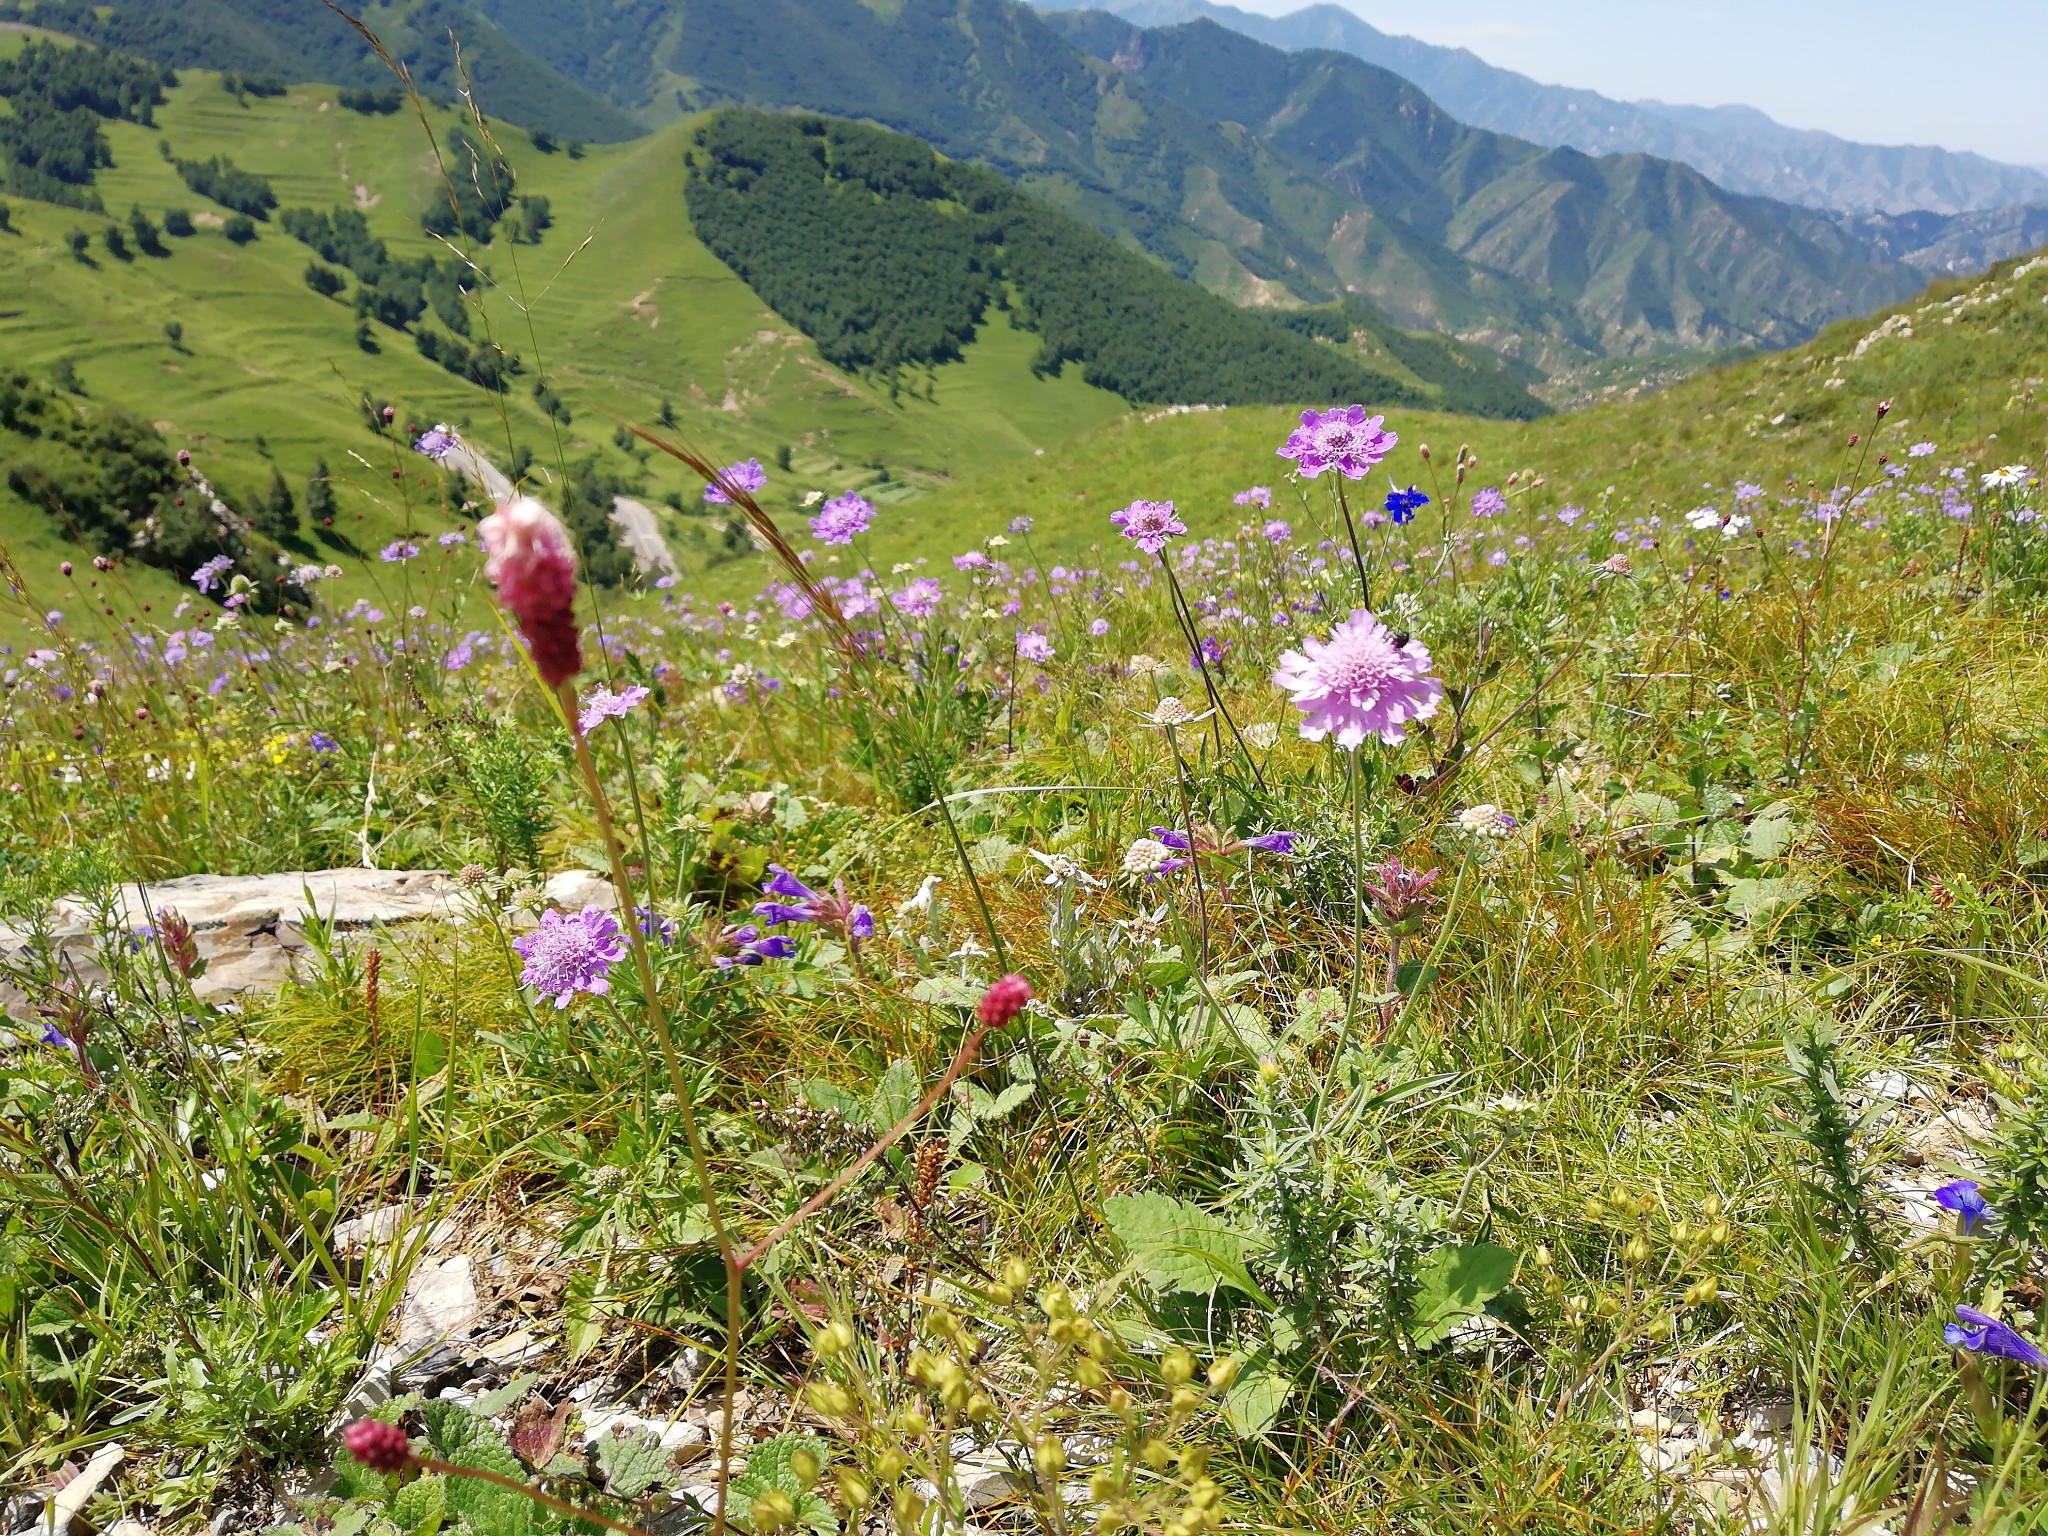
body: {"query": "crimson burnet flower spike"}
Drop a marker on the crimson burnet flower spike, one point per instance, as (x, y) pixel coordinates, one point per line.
(1003, 1001)
(379, 1446)
(533, 568)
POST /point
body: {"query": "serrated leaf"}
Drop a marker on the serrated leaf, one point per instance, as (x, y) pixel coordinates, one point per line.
(632, 1462)
(833, 1100)
(947, 991)
(1181, 1247)
(768, 1469)
(1454, 1283)
(1001, 1104)
(421, 1505)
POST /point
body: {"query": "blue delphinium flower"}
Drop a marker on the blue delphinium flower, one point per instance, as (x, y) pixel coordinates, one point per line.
(1984, 1334)
(1968, 1203)
(1403, 505)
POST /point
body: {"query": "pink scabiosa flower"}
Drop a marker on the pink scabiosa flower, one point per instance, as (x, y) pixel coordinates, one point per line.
(571, 953)
(530, 563)
(920, 599)
(1260, 496)
(1344, 439)
(1149, 524)
(1033, 646)
(1363, 681)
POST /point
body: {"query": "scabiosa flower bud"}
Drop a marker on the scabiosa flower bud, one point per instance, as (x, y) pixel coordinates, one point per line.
(379, 1446)
(530, 563)
(1003, 1001)
(472, 875)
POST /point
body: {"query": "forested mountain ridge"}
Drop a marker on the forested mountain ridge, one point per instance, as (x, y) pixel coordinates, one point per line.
(1738, 147)
(303, 42)
(888, 256)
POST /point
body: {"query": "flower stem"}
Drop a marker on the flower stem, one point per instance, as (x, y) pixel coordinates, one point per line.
(561, 1506)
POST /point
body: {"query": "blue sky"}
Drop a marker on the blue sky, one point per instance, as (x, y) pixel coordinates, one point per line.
(1965, 74)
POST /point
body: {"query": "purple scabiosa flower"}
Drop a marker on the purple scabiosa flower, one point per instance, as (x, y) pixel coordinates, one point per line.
(53, 618)
(207, 577)
(1569, 515)
(1098, 627)
(321, 742)
(747, 475)
(836, 913)
(1488, 502)
(1363, 681)
(1965, 1199)
(1920, 450)
(601, 704)
(842, 519)
(1021, 526)
(1402, 505)
(1983, 1334)
(750, 948)
(973, 560)
(1277, 530)
(398, 551)
(450, 540)
(571, 953)
(1032, 646)
(1149, 524)
(437, 444)
(1344, 439)
(919, 599)
(1260, 496)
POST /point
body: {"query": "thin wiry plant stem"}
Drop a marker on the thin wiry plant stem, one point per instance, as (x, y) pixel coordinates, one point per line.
(699, 1159)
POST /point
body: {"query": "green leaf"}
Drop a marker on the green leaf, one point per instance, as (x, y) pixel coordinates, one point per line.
(948, 991)
(895, 1095)
(1253, 1404)
(1166, 968)
(1761, 902)
(1454, 1283)
(491, 1404)
(1769, 836)
(768, 1468)
(632, 1462)
(1181, 1247)
(421, 1505)
(582, 1321)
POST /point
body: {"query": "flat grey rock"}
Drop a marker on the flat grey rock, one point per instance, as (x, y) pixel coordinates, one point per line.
(440, 1304)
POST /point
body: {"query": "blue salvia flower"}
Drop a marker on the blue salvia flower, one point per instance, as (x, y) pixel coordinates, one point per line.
(1983, 1334)
(1968, 1203)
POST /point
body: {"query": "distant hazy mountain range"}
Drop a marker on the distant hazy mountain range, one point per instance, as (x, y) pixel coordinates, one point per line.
(1738, 147)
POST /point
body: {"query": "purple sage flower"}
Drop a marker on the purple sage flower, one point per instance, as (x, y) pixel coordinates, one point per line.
(750, 948)
(1967, 1201)
(1983, 1334)
(571, 953)
(653, 926)
(836, 913)
(748, 475)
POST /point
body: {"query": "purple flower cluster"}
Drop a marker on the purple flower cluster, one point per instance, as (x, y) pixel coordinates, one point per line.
(208, 577)
(749, 947)
(437, 444)
(798, 903)
(601, 704)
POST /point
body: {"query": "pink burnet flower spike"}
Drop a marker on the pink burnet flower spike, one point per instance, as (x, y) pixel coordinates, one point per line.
(530, 562)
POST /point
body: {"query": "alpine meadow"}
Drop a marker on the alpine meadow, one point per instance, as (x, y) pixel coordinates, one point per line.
(918, 767)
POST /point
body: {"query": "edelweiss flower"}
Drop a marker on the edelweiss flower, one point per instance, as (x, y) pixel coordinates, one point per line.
(1062, 870)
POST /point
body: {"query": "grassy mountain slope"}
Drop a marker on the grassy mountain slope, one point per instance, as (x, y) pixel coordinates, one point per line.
(619, 308)
(1644, 253)
(302, 41)
(1961, 366)
(1738, 147)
